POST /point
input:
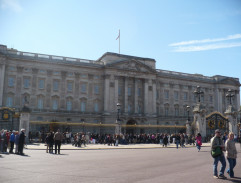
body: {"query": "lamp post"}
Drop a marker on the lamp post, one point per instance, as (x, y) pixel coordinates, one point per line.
(229, 96)
(198, 92)
(118, 117)
(239, 124)
(188, 110)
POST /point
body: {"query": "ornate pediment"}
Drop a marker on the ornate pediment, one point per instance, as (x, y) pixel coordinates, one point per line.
(131, 65)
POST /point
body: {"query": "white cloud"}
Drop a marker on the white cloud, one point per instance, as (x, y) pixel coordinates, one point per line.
(13, 5)
(230, 37)
(206, 47)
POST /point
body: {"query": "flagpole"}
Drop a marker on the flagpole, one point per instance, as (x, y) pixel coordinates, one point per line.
(119, 41)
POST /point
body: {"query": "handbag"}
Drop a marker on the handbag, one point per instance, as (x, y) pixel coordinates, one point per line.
(216, 152)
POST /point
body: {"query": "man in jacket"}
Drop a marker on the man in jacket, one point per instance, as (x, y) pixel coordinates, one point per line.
(21, 141)
(58, 137)
(216, 142)
(12, 140)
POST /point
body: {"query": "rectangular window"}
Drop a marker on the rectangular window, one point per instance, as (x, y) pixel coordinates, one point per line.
(83, 88)
(185, 96)
(211, 99)
(41, 84)
(166, 111)
(166, 94)
(40, 103)
(129, 91)
(96, 107)
(97, 91)
(139, 92)
(175, 95)
(9, 102)
(82, 106)
(129, 108)
(176, 112)
(69, 86)
(69, 105)
(119, 90)
(55, 104)
(26, 82)
(157, 94)
(11, 82)
(56, 85)
(139, 109)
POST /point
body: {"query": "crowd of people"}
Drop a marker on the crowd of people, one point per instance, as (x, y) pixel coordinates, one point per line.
(11, 139)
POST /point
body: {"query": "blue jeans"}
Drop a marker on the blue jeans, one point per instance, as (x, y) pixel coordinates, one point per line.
(177, 143)
(198, 147)
(232, 164)
(215, 165)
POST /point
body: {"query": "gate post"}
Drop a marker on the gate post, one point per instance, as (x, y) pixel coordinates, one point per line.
(232, 118)
(200, 120)
(24, 121)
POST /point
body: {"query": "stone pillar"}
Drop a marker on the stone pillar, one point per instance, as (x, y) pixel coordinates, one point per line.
(232, 118)
(116, 96)
(136, 96)
(237, 94)
(126, 95)
(2, 78)
(106, 93)
(63, 90)
(154, 97)
(188, 128)
(146, 107)
(24, 121)
(220, 101)
(199, 120)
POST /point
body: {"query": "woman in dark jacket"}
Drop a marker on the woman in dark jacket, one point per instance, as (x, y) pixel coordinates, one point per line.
(165, 140)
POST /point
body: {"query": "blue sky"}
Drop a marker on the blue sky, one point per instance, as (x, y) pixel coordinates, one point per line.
(186, 36)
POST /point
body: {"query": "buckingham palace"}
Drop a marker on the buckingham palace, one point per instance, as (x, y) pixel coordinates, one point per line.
(79, 94)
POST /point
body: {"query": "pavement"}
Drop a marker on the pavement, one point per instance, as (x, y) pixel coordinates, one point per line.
(42, 146)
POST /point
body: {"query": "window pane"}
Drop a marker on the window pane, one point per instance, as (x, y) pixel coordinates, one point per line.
(69, 105)
(41, 84)
(55, 104)
(9, 102)
(83, 105)
(83, 88)
(26, 83)
(70, 86)
(40, 103)
(129, 91)
(96, 89)
(96, 107)
(11, 82)
(56, 85)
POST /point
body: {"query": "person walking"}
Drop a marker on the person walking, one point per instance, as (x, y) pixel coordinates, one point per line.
(217, 143)
(58, 137)
(21, 141)
(231, 153)
(199, 141)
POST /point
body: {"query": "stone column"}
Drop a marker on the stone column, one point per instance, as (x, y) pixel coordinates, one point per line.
(136, 96)
(200, 120)
(188, 128)
(220, 101)
(106, 93)
(237, 94)
(154, 97)
(24, 121)
(232, 118)
(2, 78)
(63, 90)
(146, 107)
(116, 96)
(126, 95)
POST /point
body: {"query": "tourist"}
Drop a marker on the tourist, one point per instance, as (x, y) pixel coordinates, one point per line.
(16, 142)
(165, 140)
(178, 138)
(12, 140)
(216, 142)
(58, 137)
(21, 141)
(199, 141)
(231, 154)
(47, 142)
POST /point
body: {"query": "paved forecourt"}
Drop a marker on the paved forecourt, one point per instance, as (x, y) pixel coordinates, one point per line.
(118, 165)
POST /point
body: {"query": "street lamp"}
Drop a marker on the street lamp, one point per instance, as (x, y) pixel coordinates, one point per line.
(239, 124)
(229, 96)
(118, 117)
(188, 110)
(198, 93)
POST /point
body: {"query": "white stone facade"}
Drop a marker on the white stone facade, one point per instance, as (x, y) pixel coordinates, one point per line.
(74, 90)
